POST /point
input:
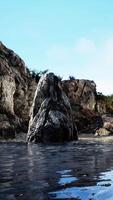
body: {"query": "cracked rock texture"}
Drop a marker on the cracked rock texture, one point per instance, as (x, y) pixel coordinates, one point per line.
(51, 115)
(83, 98)
(17, 88)
(81, 92)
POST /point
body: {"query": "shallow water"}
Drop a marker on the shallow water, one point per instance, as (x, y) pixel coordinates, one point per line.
(80, 170)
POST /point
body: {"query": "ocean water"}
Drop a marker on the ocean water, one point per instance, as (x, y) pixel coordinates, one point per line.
(81, 170)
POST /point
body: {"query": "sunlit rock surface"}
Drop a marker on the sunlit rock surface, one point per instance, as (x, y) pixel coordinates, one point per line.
(102, 132)
(83, 99)
(17, 88)
(107, 128)
(82, 92)
(51, 119)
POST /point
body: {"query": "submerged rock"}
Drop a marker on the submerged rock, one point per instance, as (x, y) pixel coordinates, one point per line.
(51, 119)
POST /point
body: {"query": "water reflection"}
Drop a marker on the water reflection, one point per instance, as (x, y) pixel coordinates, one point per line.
(77, 170)
(66, 177)
(103, 189)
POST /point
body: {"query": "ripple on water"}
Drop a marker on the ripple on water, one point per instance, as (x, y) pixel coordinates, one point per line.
(81, 170)
(103, 189)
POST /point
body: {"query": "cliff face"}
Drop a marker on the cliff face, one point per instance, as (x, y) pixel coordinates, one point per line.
(81, 92)
(17, 88)
(83, 99)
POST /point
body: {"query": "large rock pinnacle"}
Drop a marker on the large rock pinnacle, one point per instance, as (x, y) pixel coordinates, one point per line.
(51, 119)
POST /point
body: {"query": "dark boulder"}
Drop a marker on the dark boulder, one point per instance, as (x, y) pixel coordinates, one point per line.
(51, 119)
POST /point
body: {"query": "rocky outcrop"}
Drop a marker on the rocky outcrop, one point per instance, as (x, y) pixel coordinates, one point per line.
(107, 128)
(101, 106)
(81, 92)
(83, 98)
(17, 88)
(101, 103)
(108, 122)
(51, 119)
(102, 132)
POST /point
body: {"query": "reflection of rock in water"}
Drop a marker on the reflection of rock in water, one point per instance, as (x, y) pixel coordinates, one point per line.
(82, 163)
(85, 177)
(51, 118)
(34, 171)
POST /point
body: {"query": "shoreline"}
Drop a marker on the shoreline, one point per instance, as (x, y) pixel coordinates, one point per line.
(81, 137)
(91, 137)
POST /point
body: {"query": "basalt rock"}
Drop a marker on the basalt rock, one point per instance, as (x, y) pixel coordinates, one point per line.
(51, 118)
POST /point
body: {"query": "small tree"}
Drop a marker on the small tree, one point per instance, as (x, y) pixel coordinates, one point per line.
(72, 78)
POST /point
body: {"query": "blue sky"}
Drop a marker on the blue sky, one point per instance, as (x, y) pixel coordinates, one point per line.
(68, 37)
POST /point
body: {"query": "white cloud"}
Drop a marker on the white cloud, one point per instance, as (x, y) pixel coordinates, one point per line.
(84, 59)
(85, 46)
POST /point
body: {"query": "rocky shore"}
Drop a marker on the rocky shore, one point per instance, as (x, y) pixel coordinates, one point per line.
(18, 87)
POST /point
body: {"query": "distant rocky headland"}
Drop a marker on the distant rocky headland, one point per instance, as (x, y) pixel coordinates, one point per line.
(89, 111)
